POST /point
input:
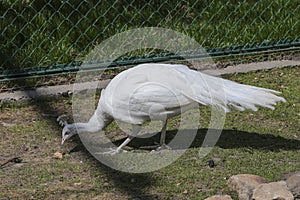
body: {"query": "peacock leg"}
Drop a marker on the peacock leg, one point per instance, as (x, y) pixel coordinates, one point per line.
(162, 142)
(135, 130)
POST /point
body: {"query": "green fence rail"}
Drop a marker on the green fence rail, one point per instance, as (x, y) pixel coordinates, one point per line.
(60, 69)
(36, 33)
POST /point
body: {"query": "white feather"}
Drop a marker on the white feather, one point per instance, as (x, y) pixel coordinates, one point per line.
(172, 86)
(160, 91)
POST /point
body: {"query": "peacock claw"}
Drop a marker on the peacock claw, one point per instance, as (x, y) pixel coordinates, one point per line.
(156, 147)
(61, 121)
(163, 147)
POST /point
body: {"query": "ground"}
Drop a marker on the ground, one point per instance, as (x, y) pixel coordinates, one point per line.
(266, 143)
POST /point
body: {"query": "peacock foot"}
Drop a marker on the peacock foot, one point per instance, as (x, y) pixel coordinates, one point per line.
(163, 147)
(110, 152)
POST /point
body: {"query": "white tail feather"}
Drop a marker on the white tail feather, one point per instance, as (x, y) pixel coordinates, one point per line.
(243, 96)
(214, 91)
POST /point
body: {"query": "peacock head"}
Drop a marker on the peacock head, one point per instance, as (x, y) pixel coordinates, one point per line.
(68, 131)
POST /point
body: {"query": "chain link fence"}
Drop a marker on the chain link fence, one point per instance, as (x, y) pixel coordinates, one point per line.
(37, 33)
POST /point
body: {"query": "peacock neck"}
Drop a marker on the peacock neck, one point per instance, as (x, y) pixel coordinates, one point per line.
(96, 123)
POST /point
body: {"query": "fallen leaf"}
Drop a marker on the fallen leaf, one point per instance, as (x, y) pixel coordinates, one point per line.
(58, 155)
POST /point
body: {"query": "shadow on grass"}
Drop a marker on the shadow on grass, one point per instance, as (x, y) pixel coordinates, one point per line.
(132, 184)
(135, 184)
(229, 139)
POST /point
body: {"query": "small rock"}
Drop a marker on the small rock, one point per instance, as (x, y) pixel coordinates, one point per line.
(293, 184)
(271, 191)
(178, 184)
(219, 197)
(58, 155)
(17, 160)
(7, 124)
(244, 184)
(106, 184)
(77, 184)
(211, 163)
(185, 192)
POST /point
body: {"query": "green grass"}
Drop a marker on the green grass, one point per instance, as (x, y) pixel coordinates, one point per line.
(38, 33)
(265, 143)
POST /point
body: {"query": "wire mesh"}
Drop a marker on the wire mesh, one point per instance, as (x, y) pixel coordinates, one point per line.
(37, 33)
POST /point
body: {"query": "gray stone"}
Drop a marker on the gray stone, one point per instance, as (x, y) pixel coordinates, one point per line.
(219, 197)
(272, 191)
(244, 184)
(289, 174)
(293, 184)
